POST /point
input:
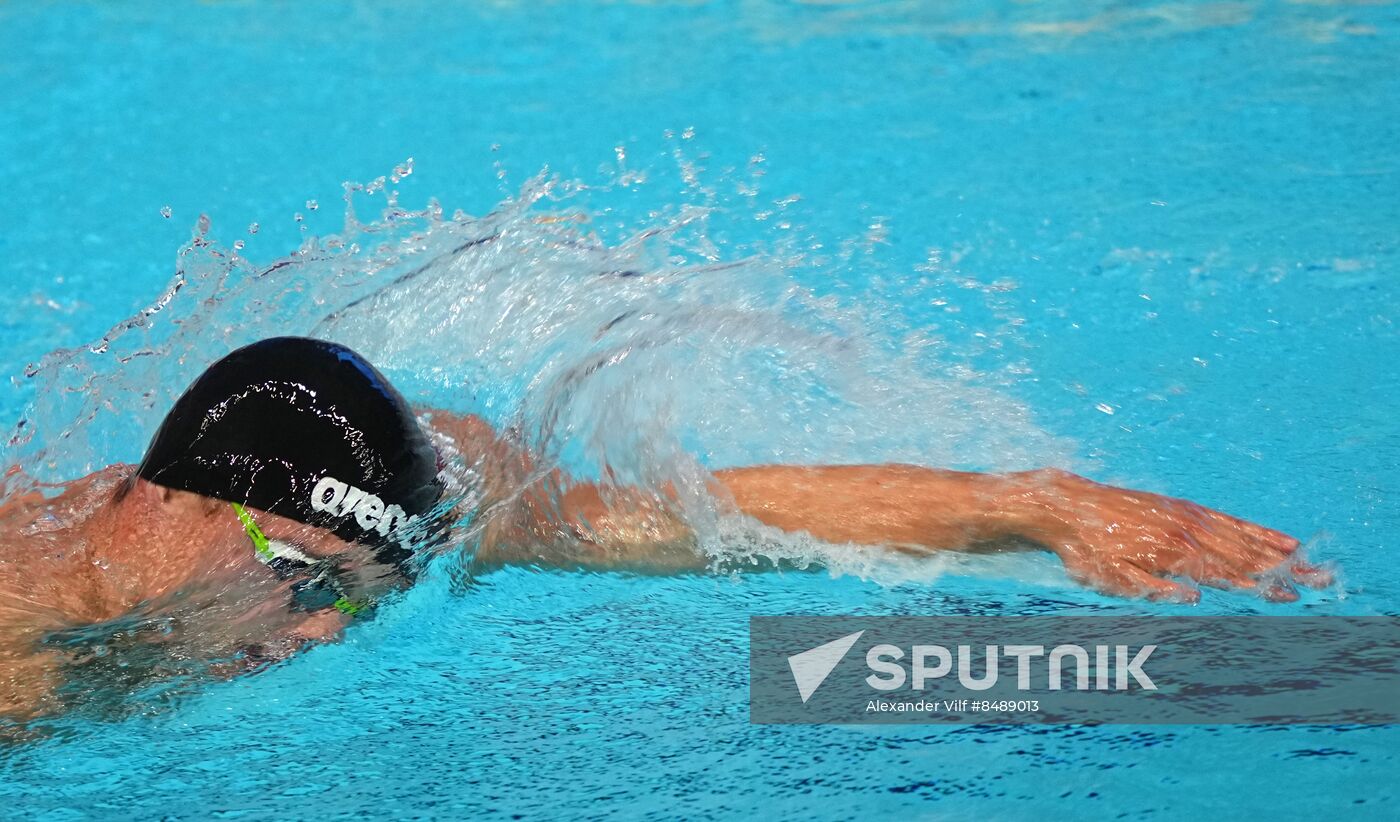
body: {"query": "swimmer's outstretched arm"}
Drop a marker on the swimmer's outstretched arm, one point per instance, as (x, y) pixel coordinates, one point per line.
(1118, 541)
(1115, 540)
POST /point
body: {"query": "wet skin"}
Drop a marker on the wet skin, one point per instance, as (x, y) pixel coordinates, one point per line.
(109, 546)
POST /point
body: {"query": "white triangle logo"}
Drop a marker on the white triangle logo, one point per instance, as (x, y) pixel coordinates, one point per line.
(811, 668)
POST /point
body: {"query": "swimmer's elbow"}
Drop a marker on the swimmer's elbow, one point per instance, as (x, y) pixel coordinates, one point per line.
(648, 541)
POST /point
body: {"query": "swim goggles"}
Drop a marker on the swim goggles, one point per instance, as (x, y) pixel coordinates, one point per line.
(319, 588)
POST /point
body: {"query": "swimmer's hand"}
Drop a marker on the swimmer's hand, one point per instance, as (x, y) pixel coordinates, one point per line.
(1133, 543)
(315, 629)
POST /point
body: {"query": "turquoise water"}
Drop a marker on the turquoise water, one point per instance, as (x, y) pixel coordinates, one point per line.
(1010, 220)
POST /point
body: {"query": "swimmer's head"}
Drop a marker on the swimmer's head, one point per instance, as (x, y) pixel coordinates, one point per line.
(307, 430)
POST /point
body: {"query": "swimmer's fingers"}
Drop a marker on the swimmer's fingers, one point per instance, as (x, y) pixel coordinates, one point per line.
(1253, 556)
(1255, 534)
(1125, 579)
(1266, 576)
(1273, 580)
(1312, 576)
(1190, 545)
(1276, 581)
(1273, 568)
(1120, 574)
(1279, 582)
(1273, 588)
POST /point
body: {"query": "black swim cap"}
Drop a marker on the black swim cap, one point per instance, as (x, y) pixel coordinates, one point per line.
(307, 430)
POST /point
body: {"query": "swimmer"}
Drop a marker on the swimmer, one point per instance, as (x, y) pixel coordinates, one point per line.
(288, 489)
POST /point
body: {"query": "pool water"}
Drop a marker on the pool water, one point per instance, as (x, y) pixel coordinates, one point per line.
(1155, 243)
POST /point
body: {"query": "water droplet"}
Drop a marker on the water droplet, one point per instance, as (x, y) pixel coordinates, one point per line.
(252, 228)
(1105, 407)
(166, 212)
(298, 217)
(237, 245)
(312, 205)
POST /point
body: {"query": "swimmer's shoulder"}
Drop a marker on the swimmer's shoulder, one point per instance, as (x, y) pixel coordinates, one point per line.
(47, 575)
(493, 456)
(45, 509)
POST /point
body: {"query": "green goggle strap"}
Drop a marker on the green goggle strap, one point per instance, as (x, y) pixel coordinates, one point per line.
(263, 546)
(261, 543)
